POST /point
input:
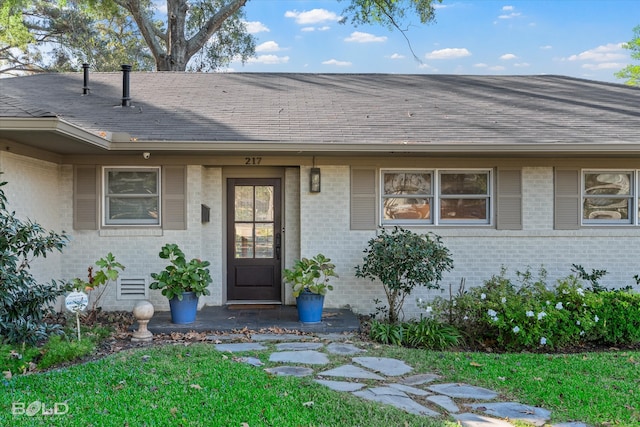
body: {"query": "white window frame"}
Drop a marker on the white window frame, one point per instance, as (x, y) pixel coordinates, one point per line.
(435, 195)
(105, 197)
(633, 196)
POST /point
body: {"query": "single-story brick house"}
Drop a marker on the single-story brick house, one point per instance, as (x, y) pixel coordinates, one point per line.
(511, 171)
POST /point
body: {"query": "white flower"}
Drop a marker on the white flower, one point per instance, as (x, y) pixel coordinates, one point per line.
(541, 315)
(543, 341)
(465, 318)
(491, 313)
(581, 333)
(580, 292)
(596, 318)
(504, 300)
(483, 296)
(548, 302)
(516, 329)
(564, 291)
(495, 318)
(429, 309)
(578, 322)
(559, 306)
(529, 313)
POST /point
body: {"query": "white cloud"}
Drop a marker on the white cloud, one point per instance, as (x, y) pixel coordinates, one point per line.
(448, 53)
(508, 56)
(269, 46)
(604, 66)
(314, 16)
(255, 27)
(480, 65)
(396, 56)
(546, 47)
(605, 53)
(497, 68)
(522, 65)
(268, 59)
(337, 63)
(360, 37)
(507, 8)
(311, 29)
(510, 15)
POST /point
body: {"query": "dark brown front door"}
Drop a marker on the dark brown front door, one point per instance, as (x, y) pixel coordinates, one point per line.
(253, 239)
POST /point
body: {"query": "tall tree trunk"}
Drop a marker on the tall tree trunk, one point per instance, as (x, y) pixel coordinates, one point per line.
(172, 50)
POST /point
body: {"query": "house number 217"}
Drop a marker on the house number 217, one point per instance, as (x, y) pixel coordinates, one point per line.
(252, 160)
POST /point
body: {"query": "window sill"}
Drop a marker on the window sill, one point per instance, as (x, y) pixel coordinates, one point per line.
(120, 232)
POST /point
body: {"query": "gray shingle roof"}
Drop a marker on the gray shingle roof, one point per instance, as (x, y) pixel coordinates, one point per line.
(335, 108)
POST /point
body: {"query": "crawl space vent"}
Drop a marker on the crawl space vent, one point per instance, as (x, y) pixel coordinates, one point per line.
(132, 288)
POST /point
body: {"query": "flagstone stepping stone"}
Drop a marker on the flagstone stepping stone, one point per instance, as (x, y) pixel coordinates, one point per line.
(228, 337)
(384, 365)
(240, 347)
(277, 337)
(420, 379)
(473, 420)
(343, 349)
(401, 402)
(571, 424)
(463, 391)
(298, 346)
(250, 360)
(308, 357)
(515, 411)
(350, 371)
(445, 402)
(290, 371)
(387, 391)
(410, 390)
(334, 336)
(341, 385)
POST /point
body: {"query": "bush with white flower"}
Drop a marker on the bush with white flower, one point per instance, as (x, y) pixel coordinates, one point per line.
(528, 313)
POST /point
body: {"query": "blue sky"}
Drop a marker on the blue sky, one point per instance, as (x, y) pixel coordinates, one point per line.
(579, 38)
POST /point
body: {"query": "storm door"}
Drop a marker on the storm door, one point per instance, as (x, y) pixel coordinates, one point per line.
(253, 239)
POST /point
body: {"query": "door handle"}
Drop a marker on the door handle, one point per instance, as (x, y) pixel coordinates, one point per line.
(278, 246)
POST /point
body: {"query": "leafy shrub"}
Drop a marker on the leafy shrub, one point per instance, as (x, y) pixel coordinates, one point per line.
(402, 260)
(530, 314)
(425, 333)
(386, 333)
(23, 301)
(97, 281)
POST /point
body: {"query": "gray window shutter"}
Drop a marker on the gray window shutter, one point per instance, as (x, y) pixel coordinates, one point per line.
(85, 197)
(363, 199)
(174, 190)
(509, 199)
(567, 199)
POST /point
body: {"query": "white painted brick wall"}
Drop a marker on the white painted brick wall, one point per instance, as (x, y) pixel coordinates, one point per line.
(33, 192)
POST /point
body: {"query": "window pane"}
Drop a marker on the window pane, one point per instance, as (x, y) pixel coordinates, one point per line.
(463, 209)
(407, 183)
(244, 203)
(143, 209)
(132, 182)
(244, 241)
(407, 208)
(606, 184)
(464, 183)
(264, 202)
(264, 240)
(606, 208)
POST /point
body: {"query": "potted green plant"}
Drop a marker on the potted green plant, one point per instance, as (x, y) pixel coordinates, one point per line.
(309, 279)
(182, 283)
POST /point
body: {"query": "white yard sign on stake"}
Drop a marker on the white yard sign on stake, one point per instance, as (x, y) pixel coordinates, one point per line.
(77, 302)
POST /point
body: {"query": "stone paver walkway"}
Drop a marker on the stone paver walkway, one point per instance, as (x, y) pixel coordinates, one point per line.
(390, 381)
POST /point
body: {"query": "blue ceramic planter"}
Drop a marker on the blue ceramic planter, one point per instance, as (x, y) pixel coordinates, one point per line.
(310, 307)
(183, 312)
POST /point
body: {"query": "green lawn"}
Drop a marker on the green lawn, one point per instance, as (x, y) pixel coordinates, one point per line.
(195, 385)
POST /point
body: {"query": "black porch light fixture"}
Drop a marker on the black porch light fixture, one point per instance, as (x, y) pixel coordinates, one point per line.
(314, 180)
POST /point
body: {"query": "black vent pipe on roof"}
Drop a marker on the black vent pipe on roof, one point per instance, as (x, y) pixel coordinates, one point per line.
(126, 96)
(85, 87)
